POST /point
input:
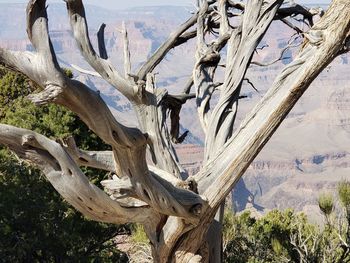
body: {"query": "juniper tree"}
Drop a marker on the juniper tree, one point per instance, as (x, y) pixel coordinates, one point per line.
(177, 211)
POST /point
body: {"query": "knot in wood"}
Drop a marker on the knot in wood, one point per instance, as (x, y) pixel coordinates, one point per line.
(28, 139)
(191, 185)
(140, 89)
(196, 209)
(210, 59)
(315, 37)
(49, 94)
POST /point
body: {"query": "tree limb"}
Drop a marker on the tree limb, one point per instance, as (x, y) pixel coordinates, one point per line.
(328, 38)
(101, 64)
(96, 159)
(161, 52)
(218, 176)
(241, 46)
(281, 57)
(207, 59)
(84, 71)
(67, 178)
(129, 144)
(127, 60)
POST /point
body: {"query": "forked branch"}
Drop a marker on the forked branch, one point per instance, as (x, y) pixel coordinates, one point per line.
(329, 35)
(129, 144)
(101, 64)
(67, 178)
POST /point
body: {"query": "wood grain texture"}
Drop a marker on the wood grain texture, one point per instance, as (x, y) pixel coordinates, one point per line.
(176, 211)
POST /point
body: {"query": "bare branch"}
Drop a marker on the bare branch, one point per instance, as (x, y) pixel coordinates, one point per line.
(296, 9)
(237, 5)
(251, 84)
(104, 160)
(67, 178)
(161, 52)
(185, 37)
(281, 57)
(84, 71)
(188, 86)
(129, 144)
(37, 28)
(103, 66)
(127, 60)
(42, 67)
(242, 44)
(294, 27)
(174, 103)
(224, 22)
(121, 188)
(264, 119)
(151, 115)
(219, 176)
(96, 159)
(346, 47)
(207, 60)
(176, 212)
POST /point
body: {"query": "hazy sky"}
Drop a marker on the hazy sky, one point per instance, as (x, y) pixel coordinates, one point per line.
(132, 3)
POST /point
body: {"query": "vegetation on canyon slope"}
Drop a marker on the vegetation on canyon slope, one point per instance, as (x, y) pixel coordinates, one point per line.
(285, 236)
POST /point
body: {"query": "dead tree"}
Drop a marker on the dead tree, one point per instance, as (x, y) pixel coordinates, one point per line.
(175, 210)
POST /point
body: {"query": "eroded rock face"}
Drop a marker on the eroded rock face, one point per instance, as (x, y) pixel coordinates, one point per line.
(309, 154)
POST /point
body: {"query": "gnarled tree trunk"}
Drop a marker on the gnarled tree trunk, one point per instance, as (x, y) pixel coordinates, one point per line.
(175, 210)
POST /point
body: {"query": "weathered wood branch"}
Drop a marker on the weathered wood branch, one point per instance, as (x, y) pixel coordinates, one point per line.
(286, 12)
(185, 37)
(292, 26)
(127, 56)
(85, 71)
(162, 196)
(173, 104)
(176, 38)
(219, 175)
(67, 178)
(176, 213)
(43, 68)
(328, 38)
(121, 190)
(121, 187)
(188, 86)
(102, 65)
(241, 47)
(295, 10)
(129, 144)
(280, 57)
(77, 15)
(207, 60)
(102, 160)
(151, 114)
(105, 160)
(163, 50)
(292, 10)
